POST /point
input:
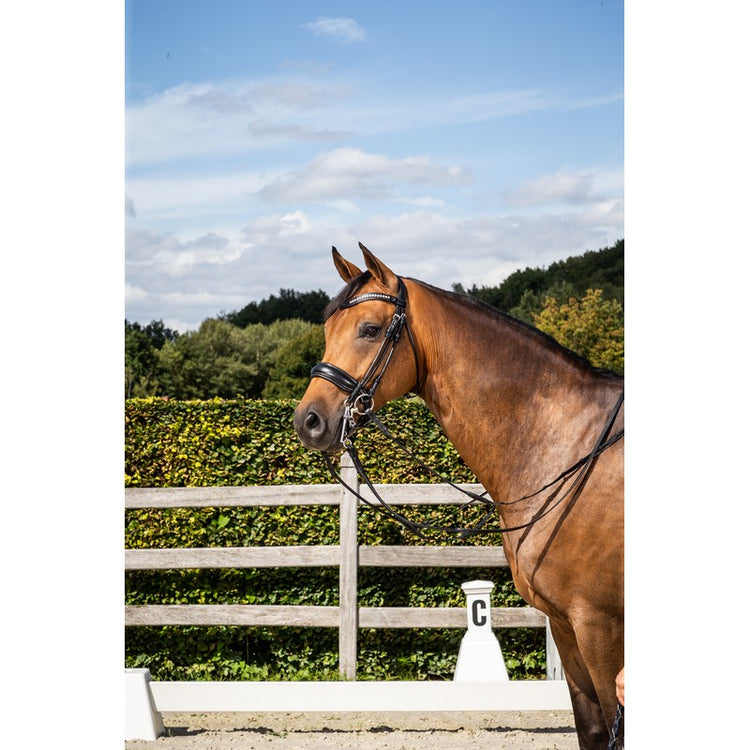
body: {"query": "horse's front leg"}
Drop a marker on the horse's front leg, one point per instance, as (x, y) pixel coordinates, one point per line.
(591, 727)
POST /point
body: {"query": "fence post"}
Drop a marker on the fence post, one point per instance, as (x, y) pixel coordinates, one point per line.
(349, 548)
(554, 665)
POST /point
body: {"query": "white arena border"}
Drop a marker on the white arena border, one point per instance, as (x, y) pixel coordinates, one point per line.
(516, 695)
(146, 700)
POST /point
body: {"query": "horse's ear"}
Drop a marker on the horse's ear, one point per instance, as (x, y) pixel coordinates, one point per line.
(380, 272)
(347, 270)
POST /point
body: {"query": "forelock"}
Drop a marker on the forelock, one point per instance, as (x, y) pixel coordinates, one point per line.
(346, 294)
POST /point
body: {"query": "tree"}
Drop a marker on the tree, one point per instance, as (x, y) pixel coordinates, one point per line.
(236, 353)
(602, 269)
(592, 327)
(212, 361)
(289, 305)
(524, 290)
(290, 375)
(532, 303)
(142, 345)
(222, 360)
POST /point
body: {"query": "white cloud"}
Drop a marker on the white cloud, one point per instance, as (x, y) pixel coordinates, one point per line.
(484, 249)
(165, 256)
(186, 281)
(190, 196)
(424, 201)
(565, 187)
(212, 119)
(340, 29)
(134, 293)
(289, 131)
(492, 105)
(347, 173)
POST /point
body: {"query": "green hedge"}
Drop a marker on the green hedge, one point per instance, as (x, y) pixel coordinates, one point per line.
(252, 442)
(248, 442)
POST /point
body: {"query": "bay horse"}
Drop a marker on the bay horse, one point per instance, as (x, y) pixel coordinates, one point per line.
(520, 409)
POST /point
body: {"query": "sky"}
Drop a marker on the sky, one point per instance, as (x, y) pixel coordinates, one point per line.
(458, 141)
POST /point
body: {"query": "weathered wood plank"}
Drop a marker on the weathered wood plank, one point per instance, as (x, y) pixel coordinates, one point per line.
(289, 494)
(312, 556)
(439, 557)
(445, 617)
(420, 494)
(231, 614)
(311, 616)
(232, 557)
(226, 497)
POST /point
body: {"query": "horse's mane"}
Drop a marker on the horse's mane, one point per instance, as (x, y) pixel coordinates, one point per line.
(478, 305)
(473, 303)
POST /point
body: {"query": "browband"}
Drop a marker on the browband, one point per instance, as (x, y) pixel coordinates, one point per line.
(370, 296)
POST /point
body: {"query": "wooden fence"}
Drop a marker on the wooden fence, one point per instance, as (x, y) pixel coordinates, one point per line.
(348, 556)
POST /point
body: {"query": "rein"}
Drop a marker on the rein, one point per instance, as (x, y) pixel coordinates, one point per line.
(583, 467)
(358, 412)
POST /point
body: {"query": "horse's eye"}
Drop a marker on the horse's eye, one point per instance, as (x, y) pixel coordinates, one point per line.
(369, 331)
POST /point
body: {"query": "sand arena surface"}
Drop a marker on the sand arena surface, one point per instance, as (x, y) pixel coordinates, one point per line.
(501, 730)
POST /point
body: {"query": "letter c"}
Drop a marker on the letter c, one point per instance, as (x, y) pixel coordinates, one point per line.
(478, 619)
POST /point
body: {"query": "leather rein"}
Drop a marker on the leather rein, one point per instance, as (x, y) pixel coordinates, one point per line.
(358, 412)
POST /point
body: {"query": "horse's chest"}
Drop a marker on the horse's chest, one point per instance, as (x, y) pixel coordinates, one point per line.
(539, 581)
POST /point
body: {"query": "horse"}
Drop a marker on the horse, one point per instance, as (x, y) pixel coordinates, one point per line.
(521, 410)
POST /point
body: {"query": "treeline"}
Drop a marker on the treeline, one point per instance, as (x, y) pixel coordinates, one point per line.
(266, 349)
(523, 293)
(221, 359)
(287, 306)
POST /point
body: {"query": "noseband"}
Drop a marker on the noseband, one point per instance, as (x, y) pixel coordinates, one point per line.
(358, 406)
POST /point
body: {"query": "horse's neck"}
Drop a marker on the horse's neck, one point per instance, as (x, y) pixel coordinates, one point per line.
(518, 410)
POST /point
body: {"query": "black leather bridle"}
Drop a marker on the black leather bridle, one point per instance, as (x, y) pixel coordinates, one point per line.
(358, 411)
(358, 406)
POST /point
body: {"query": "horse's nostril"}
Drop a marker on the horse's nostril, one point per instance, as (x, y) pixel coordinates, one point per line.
(312, 427)
(312, 423)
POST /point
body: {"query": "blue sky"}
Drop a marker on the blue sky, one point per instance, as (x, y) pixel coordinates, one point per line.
(459, 142)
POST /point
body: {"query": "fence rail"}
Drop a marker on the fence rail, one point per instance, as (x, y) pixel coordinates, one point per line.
(290, 494)
(313, 556)
(348, 556)
(310, 616)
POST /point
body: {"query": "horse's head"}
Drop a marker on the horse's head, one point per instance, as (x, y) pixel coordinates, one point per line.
(367, 360)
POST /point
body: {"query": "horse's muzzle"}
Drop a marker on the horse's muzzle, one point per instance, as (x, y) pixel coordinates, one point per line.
(317, 430)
